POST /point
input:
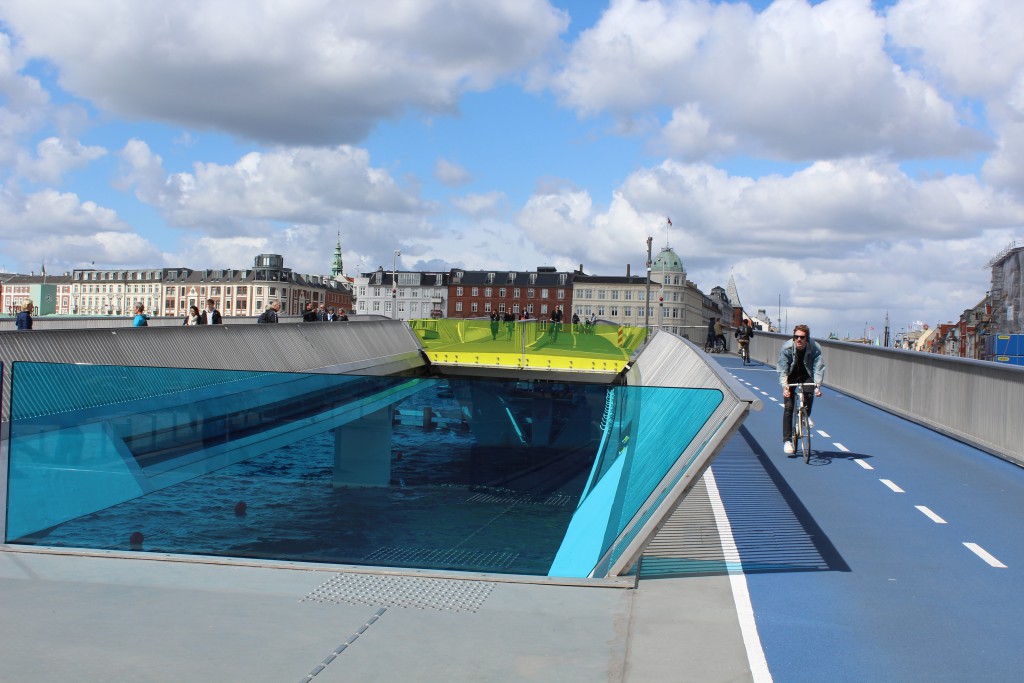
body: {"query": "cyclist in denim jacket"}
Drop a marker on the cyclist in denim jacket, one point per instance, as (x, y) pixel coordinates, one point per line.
(799, 361)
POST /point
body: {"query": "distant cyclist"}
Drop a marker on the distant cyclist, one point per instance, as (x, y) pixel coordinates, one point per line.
(743, 334)
(799, 361)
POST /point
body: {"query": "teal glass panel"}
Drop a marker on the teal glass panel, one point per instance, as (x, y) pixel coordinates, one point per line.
(394, 471)
(523, 477)
(645, 431)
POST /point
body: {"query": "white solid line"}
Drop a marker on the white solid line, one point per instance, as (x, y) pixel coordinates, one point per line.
(862, 463)
(738, 582)
(841, 447)
(894, 487)
(930, 515)
(985, 555)
(823, 434)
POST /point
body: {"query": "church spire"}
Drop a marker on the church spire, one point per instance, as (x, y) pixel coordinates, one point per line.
(337, 269)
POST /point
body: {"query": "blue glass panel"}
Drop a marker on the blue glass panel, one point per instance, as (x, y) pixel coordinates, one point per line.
(479, 475)
(416, 472)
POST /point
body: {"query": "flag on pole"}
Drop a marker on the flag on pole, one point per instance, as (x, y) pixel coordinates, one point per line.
(669, 220)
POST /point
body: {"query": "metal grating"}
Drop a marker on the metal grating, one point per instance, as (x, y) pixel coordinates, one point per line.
(487, 560)
(408, 592)
(554, 500)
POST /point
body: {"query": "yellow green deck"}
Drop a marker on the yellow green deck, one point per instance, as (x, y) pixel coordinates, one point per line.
(528, 344)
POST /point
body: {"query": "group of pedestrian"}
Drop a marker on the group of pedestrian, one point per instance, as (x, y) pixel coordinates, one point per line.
(208, 316)
(324, 314)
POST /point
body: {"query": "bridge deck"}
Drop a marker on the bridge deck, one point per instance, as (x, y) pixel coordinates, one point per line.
(848, 579)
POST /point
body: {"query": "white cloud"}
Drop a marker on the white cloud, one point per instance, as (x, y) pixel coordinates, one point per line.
(55, 157)
(835, 239)
(479, 205)
(297, 185)
(451, 174)
(795, 81)
(305, 72)
(973, 47)
(66, 232)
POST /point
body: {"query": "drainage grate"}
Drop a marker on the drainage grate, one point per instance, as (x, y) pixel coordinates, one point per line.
(450, 558)
(445, 595)
(555, 499)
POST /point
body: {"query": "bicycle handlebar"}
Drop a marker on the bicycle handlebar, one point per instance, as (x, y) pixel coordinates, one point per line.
(803, 384)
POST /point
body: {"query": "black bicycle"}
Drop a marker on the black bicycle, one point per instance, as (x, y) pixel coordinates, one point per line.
(802, 422)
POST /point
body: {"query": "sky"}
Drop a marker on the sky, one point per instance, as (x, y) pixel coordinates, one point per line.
(841, 160)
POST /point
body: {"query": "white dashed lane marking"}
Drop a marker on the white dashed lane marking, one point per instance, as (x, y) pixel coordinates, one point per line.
(930, 515)
(863, 464)
(985, 555)
(892, 486)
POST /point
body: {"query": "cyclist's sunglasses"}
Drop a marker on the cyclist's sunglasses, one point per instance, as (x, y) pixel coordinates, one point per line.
(799, 336)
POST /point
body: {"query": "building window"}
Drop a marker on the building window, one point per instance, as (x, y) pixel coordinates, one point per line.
(628, 295)
(458, 307)
(487, 292)
(615, 295)
(474, 307)
(501, 292)
(600, 311)
(614, 311)
(458, 291)
(515, 293)
(600, 294)
(490, 278)
(487, 307)
(529, 293)
(544, 293)
(627, 311)
(560, 294)
(475, 291)
(543, 309)
(376, 305)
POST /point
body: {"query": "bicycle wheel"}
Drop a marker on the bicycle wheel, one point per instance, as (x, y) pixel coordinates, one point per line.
(806, 433)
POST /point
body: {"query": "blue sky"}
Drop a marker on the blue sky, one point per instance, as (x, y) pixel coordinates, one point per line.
(849, 157)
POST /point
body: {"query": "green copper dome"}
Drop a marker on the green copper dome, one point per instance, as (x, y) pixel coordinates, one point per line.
(667, 261)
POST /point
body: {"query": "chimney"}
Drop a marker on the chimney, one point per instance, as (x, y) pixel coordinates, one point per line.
(627, 269)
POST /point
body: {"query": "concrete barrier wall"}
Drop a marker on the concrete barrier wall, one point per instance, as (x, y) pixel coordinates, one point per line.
(974, 401)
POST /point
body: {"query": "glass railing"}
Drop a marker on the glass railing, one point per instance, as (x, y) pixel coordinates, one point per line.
(529, 343)
(522, 477)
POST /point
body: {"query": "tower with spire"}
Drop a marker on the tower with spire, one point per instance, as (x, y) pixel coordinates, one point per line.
(337, 269)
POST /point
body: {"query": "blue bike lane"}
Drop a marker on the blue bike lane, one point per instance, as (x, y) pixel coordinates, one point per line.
(896, 554)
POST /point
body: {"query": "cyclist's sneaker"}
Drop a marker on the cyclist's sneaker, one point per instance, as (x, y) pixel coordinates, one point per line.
(787, 447)
(810, 422)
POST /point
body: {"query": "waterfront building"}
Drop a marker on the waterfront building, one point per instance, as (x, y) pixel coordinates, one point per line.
(170, 291)
(402, 295)
(51, 294)
(676, 304)
(477, 293)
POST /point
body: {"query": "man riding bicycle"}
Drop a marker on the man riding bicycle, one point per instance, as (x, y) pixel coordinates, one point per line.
(799, 361)
(743, 334)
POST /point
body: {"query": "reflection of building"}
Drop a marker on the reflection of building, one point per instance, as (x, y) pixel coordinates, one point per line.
(476, 293)
(402, 295)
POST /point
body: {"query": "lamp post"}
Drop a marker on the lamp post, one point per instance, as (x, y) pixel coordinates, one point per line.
(647, 296)
(394, 284)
